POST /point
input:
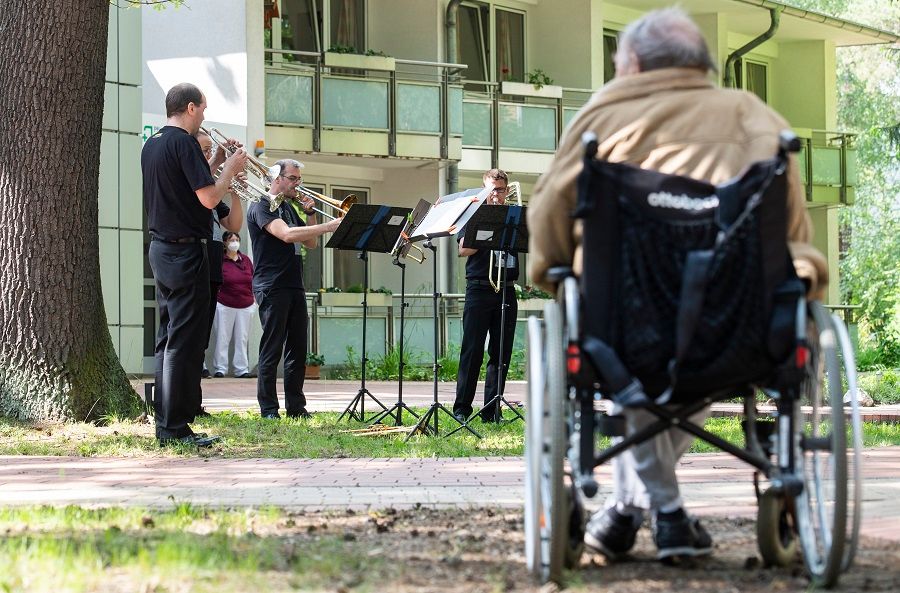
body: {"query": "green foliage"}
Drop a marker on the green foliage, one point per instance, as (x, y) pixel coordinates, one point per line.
(538, 78)
(315, 359)
(883, 386)
(869, 105)
(337, 48)
(531, 292)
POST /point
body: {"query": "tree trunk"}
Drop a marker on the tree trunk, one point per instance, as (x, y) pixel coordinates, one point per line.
(57, 360)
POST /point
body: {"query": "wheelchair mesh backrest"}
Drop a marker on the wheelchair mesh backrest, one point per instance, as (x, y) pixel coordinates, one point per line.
(639, 227)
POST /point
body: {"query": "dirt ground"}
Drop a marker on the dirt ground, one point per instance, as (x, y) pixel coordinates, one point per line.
(431, 550)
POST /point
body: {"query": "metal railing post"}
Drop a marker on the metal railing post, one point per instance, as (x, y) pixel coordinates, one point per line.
(392, 113)
(445, 116)
(317, 108)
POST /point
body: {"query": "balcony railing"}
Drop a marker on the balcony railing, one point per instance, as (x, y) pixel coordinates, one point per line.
(828, 166)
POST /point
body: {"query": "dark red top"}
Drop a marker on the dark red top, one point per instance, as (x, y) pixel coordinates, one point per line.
(237, 276)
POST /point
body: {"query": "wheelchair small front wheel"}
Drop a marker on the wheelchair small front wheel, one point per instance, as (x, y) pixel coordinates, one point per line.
(776, 533)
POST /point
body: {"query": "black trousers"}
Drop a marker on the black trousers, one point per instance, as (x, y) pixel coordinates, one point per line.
(282, 312)
(481, 316)
(181, 271)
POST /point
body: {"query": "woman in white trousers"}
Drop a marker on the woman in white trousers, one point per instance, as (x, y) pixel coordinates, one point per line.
(234, 309)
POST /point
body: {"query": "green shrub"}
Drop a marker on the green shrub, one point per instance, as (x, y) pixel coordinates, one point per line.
(883, 386)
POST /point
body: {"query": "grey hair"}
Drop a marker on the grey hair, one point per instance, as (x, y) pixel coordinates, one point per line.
(665, 38)
(285, 163)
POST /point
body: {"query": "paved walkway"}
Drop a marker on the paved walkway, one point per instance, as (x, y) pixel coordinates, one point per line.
(713, 484)
(325, 395)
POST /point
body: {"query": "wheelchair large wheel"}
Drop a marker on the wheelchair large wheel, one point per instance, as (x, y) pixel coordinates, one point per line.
(776, 533)
(548, 506)
(854, 443)
(822, 455)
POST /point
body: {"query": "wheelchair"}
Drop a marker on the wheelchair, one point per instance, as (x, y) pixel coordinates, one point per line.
(688, 297)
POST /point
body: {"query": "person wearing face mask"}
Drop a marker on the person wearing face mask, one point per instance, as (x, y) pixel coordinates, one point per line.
(234, 309)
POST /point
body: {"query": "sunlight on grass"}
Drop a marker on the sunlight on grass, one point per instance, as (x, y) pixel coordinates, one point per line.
(248, 435)
(77, 549)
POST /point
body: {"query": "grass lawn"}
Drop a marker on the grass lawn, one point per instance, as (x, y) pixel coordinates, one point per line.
(248, 435)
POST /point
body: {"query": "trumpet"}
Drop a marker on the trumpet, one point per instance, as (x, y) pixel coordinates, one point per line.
(342, 206)
(495, 265)
(246, 190)
(254, 166)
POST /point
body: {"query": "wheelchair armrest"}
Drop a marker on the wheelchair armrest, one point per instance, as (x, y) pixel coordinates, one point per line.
(557, 274)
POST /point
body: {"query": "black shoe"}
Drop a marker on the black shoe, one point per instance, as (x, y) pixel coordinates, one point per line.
(676, 534)
(246, 376)
(611, 533)
(272, 416)
(460, 417)
(205, 373)
(492, 419)
(219, 375)
(192, 439)
(202, 413)
(302, 413)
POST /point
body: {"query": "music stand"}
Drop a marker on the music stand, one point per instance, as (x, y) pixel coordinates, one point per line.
(367, 228)
(502, 229)
(401, 250)
(443, 220)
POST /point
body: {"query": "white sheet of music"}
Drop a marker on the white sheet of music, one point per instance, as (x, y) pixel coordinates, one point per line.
(448, 218)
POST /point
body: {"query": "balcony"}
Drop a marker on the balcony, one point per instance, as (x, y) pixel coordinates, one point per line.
(386, 107)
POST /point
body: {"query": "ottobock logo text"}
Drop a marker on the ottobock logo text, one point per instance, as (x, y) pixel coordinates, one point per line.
(682, 202)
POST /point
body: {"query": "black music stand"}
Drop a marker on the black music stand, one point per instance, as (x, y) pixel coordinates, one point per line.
(401, 250)
(444, 219)
(502, 229)
(366, 228)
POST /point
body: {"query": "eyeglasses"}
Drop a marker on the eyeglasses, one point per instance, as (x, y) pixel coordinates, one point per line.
(499, 190)
(292, 178)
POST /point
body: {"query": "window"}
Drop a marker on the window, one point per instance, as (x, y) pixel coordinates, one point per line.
(348, 24)
(510, 46)
(752, 77)
(301, 23)
(610, 46)
(472, 40)
(347, 267)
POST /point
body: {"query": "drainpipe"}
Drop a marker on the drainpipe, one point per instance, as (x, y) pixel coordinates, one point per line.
(775, 15)
(452, 57)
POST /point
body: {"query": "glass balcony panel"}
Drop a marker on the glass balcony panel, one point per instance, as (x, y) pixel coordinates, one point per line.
(852, 175)
(527, 127)
(826, 166)
(418, 108)
(801, 161)
(477, 124)
(354, 103)
(455, 98)
(568, 114)
(289, 99)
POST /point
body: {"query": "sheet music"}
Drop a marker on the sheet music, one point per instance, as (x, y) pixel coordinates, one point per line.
(448, 218)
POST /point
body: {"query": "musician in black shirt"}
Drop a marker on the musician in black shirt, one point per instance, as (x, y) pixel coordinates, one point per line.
(179, 192)
(481, 316)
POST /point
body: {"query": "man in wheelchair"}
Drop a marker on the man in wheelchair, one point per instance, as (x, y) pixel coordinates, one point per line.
(661, 113)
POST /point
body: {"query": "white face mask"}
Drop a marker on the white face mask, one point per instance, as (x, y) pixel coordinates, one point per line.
(233, 246)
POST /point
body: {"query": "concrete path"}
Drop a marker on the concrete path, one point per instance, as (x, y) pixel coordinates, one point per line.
(713, 484)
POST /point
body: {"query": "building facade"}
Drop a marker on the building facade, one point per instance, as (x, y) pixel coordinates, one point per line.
(448, 89)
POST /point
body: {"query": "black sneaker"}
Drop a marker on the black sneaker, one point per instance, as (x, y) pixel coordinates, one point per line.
(219, 375)
(272, 416)
(202, 413)
(611, 533)
(192, 439)
(676, 534)
(205, 373)
(301, 413)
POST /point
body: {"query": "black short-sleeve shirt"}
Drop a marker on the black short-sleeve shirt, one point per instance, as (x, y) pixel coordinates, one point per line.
(215, 248)
(276, 264)
(173, 168)
(478, 263)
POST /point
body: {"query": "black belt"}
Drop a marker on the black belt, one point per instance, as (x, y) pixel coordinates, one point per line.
(473, 282)
(181, 240)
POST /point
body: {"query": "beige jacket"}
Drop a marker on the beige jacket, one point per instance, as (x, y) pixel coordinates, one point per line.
(674, 121)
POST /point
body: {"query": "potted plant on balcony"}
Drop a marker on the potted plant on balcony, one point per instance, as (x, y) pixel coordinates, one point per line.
(538, 84)
(345, 56)
(531, 298)
(314, 364)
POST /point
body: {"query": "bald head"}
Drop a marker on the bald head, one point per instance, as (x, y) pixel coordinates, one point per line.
(666, 38)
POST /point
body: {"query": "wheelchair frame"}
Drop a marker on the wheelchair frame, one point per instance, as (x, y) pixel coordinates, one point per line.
(811, 500)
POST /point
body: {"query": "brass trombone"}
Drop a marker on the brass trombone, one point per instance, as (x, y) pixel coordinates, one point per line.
(341, 206)
(246, 190)
(495, 269)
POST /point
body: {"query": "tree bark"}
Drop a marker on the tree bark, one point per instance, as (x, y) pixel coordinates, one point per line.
(57, 360)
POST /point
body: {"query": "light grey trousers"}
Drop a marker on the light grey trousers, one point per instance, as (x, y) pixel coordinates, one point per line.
(644, 475)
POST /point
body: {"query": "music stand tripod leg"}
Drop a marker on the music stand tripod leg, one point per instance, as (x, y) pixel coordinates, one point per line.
(360, 399)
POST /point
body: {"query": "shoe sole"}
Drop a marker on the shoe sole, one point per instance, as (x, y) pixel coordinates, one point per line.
(682, 551)
(597, 546)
